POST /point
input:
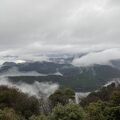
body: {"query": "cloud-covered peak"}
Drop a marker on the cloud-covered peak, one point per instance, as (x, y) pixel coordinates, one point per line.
(102, 58)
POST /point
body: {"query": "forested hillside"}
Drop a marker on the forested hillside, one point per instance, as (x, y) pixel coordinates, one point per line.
(80, 79)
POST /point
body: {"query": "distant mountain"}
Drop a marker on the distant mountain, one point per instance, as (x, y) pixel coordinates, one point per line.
(40, 67)
(116, 63)
(79, 78)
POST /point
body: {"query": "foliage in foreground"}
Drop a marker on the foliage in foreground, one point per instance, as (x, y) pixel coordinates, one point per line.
(101, 105)
(21, 103)
(67, 112)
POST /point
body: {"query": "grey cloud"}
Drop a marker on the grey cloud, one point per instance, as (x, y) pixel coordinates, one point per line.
(101, 58)
(35, 26)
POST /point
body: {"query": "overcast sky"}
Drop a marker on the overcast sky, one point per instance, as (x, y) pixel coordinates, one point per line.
(40, 26)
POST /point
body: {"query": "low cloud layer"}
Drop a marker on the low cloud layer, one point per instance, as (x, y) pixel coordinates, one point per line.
(21, 58)
(15, 72)
(116, 81)
(101, 58)
(37, 89)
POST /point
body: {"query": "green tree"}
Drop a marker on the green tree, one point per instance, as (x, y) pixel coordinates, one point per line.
(8, 114)
(95, 111)
(40, 117)
(113, 113)
(57, 97)
(62, 96)
(67, 112)
(69, 93)
(115, 97)
(20, 102)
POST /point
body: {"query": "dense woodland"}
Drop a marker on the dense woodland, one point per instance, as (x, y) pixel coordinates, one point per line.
(103, 104)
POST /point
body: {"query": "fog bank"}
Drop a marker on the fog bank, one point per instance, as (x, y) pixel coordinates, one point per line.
(37, 89)
(101, 58)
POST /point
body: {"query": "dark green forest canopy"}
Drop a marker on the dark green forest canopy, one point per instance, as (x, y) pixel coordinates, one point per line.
(103, 105)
